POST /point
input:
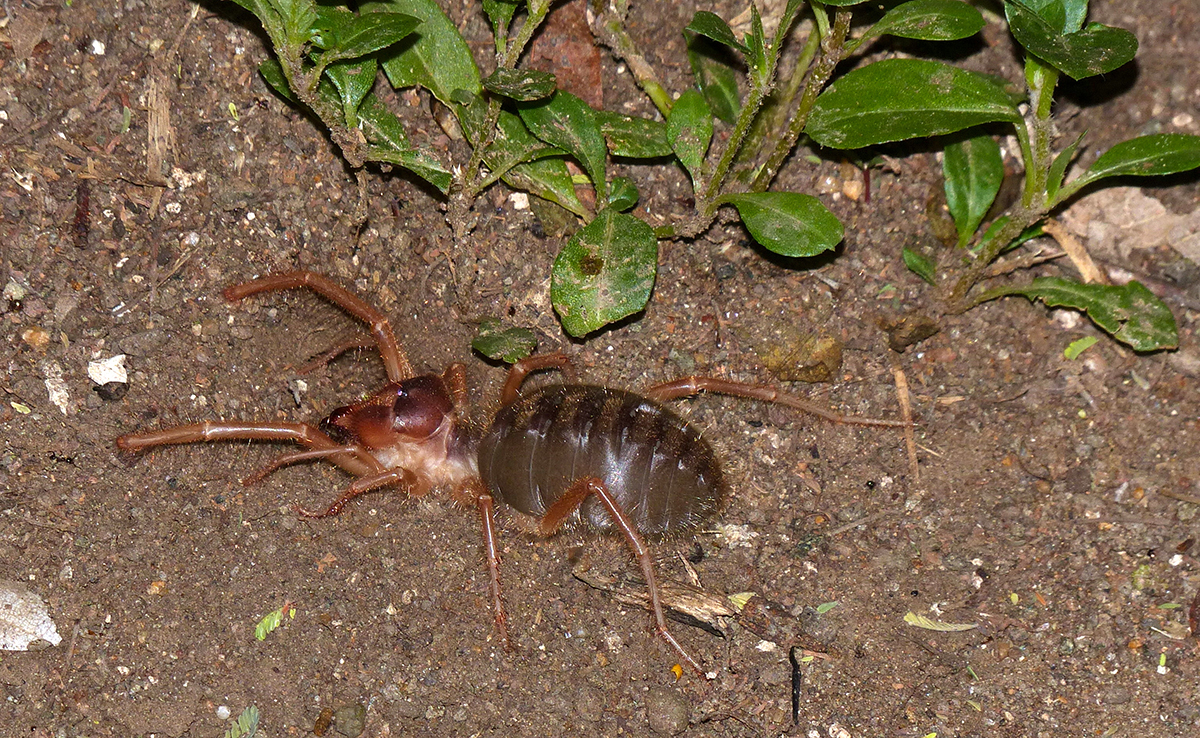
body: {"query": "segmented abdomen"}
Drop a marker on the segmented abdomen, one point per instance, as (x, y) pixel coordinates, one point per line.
(659, 469)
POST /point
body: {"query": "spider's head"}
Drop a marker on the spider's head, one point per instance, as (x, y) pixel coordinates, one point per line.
(410, 411)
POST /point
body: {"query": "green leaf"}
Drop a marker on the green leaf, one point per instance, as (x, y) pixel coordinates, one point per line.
(787, 223)
(825, 607)
(272, 620)
(435, 57)
(756, 45)
(715, 78)
(521, 84)
(1058, 169)
(974, 170)
(623, 194)
(509, 345)
(1065, 16)
(567, 122)
(711, 25)
(1161, 153)
(512, 144)
(328, 24)
(550, 180)
(898, 99)
(272, 74)
(297, 17)
(353, 80)
(633, 137)
(246, 724)
(1030, 233)
(365, 34)
(929, 20)
(389, 142)
(604, 273)
(920, 265)
(1078, 346)
(500, 13)
(1096, 49)
(1129, 313)
(689, 130)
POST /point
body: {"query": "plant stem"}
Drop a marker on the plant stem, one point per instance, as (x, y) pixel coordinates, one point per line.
(760, 87)
(609, 29)
(1041, 81)
(771, 122)
(473, 183)
(1019, 219)
(832, 46)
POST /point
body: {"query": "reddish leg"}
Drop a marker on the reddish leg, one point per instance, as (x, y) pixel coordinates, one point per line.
(318, 453)
(688, 386)
(350, 344)
(362, 486)
(302, 433)
(518, 371)
(579, 491)
(474, 492)
(394, 358)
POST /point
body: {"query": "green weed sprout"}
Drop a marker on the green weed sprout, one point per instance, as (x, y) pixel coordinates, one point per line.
(901, 99)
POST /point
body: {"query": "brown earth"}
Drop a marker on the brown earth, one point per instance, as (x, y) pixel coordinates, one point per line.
(1049, 508)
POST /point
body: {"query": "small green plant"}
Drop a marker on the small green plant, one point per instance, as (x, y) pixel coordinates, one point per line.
(521, 128)
(245, 725)
(907, 98)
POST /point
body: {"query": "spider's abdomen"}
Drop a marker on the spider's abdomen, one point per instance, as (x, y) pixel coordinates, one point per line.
(660, 470)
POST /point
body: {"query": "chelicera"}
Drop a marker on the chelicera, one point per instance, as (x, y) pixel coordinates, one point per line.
(563, 455)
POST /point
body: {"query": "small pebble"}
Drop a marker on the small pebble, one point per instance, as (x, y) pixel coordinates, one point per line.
(350, 720)
(667, 711)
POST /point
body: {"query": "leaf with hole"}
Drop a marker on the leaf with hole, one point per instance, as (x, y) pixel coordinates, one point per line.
(898, 99)
(787, 223)
(974, 171)
(604, 273)
(633, 137)
(434, 57)
(509, 345)
(1129, 313)
(689, 131)
(522, 85)
(567, 122)
(1096, 49)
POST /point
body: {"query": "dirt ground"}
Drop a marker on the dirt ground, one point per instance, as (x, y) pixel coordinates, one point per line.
(1050, 509)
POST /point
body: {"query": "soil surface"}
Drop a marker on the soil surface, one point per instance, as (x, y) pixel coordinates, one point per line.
(1055, 508)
